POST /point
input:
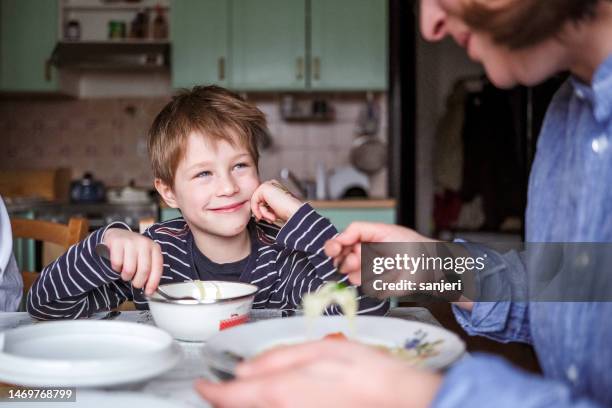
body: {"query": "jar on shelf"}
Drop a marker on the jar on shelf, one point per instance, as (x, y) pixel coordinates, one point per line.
(72, 30)
(116, 29)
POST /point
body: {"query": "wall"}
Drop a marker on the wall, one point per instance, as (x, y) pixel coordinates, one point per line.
(439, 65)
(108, 137)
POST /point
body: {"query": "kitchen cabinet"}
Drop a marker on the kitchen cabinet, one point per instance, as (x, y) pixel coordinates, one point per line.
(280, 45)
(268, 44)
(28, 33)
(342, 217)
(199, 32)
(348, 44)
(167, 213)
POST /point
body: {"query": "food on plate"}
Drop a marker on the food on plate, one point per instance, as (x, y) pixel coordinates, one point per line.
(314, 304)
(415, 349)
(335, 336)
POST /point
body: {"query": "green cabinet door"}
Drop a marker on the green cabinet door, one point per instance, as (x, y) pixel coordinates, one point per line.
(268, 44)
(349, 44)
(343, 217)
(28, 34)
(199, 31)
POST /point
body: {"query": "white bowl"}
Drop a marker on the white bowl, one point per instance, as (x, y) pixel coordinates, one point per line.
(199, 320)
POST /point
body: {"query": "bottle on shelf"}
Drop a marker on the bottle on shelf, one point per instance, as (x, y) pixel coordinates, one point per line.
(139, 27)
(160, 24)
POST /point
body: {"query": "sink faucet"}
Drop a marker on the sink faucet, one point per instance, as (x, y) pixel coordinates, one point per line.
(288, 175)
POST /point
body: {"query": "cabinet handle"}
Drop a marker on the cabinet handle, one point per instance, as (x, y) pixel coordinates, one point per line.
(221, 68)
(47, 70)
(316, 68)
(300, 68)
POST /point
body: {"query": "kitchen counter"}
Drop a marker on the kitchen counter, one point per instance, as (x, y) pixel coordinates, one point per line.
(14, 206)
(350, 204)
(341, 213)
(355, 203)
(98, 214)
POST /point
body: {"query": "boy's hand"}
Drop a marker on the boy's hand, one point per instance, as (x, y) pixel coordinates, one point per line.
(138, 258)
(273, 202)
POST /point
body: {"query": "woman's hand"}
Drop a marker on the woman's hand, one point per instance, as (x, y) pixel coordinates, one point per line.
(327, 373)
(274, 203)
(345, 249)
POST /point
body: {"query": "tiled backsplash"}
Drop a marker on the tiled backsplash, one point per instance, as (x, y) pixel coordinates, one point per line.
(108, 137)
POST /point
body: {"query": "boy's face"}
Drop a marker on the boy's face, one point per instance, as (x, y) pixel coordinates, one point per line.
(213, 185)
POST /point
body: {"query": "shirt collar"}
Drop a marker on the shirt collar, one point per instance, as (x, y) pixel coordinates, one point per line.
(599, 93)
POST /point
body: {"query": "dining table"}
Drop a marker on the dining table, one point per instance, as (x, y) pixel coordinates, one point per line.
(177, 385)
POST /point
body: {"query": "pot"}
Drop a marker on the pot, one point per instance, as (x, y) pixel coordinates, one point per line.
(87, 190)
(368, 154)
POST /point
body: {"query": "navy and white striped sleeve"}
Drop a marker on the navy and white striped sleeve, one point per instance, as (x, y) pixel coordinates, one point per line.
(78, 284)
(306, 233)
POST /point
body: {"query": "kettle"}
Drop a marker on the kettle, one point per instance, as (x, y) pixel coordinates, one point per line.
(87, 190)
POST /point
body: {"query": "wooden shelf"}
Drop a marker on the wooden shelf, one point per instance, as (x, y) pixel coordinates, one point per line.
(114, 7)
(118, 41)
(309, 118)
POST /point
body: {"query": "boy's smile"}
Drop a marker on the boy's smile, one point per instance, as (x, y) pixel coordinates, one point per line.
(229, 208)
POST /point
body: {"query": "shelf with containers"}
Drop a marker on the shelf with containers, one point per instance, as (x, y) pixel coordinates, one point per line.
(104, 20)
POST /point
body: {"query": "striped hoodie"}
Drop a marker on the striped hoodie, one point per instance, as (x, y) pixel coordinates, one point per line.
(289, 262)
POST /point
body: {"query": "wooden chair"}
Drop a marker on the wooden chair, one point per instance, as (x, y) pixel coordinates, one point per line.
(61, 235)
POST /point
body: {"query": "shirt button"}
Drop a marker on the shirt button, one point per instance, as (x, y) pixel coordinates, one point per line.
(582, 260)
(572, 373)
(600, 144)
(580, 93)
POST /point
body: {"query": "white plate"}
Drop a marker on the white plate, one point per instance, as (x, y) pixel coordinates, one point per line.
(251, 339)
(106, 399)
(85, 353)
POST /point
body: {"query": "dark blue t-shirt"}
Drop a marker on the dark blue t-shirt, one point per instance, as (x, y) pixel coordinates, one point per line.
(231, 271)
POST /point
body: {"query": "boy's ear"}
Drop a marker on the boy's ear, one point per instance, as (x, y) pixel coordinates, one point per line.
(166, 193)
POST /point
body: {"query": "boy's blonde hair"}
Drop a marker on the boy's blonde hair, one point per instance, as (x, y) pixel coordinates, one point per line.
(209, 110)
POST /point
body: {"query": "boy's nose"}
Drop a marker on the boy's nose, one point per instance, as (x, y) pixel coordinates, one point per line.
(228, 186)
(433, 20)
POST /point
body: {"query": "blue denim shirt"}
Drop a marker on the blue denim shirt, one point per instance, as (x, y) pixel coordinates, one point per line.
(569, 200)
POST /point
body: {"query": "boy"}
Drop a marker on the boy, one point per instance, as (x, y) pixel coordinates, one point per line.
(203, 150)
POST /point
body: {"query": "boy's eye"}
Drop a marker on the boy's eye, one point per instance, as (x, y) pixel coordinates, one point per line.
(241, 165)
(204, 174)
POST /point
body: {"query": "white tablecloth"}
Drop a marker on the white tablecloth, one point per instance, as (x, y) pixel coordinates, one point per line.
(177, 384)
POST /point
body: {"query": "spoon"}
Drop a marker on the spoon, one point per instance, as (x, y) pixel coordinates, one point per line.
(103, 251)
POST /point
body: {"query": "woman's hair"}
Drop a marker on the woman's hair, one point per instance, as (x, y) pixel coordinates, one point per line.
(211, 111)
(521, 23)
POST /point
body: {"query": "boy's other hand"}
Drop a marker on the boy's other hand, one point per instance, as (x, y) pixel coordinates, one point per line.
(137, 258)
(274, 203)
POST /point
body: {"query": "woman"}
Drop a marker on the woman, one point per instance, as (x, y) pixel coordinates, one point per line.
(518, 42)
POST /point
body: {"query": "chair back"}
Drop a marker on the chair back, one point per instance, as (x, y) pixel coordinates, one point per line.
(48, 232)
